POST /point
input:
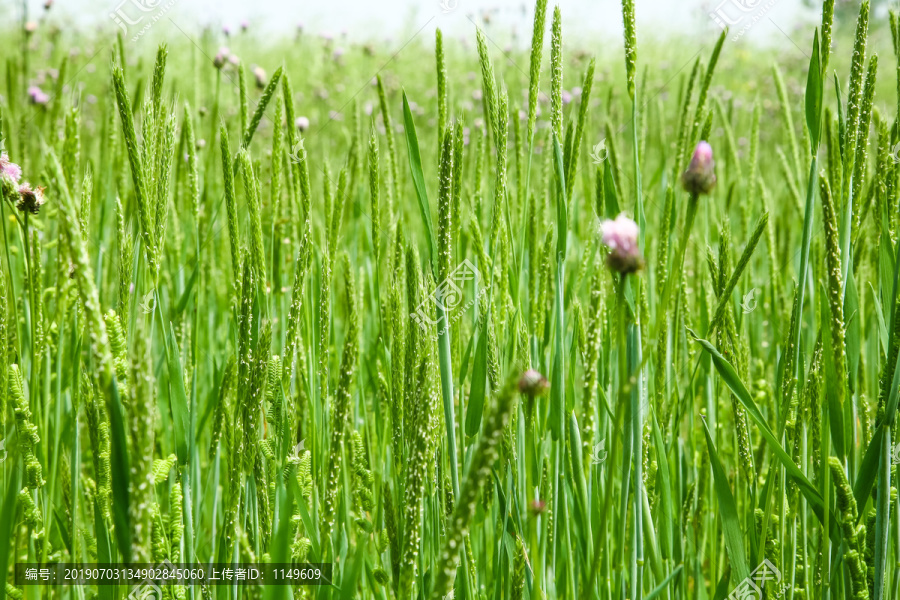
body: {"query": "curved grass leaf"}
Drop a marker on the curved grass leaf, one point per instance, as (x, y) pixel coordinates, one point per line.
(814, 89)
(415, 167)
(731, 379)
(177, 396)
(731, 524)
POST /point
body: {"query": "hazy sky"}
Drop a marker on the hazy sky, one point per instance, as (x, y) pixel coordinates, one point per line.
(376, 19)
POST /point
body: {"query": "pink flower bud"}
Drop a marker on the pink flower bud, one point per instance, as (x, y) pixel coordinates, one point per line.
(260, 75)
(533, 383)
(37, 95)
(9, 170)
(621, 237)
(700, 176)
(221, 57)
(537, 507)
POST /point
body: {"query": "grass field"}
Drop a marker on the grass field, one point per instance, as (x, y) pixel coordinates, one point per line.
(458, 320)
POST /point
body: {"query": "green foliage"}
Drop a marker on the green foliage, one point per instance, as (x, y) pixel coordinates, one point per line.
(213, 348)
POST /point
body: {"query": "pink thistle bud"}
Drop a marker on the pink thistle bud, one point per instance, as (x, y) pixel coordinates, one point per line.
(37, 95)
(221, 57)
(532, 383)
(621, 237)
(537, 507)
(700, 176)
(9, 170)
(30, 199)
(245, 25)
(260, 76)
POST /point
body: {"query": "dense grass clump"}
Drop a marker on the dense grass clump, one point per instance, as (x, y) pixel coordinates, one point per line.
(595, 328)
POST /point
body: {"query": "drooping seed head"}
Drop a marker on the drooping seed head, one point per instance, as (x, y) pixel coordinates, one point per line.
(621, 237)
(700, 176)
(30, 199)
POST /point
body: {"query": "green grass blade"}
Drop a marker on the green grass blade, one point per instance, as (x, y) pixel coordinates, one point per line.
(731, 524)
(731, 379)
(415, 167)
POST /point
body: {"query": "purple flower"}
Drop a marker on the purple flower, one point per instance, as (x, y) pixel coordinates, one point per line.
(301, 123)
(37, 95)
(245, 25)
(621, 237)
(9, 170)
(226, 30)
(30, 199)
(700, 176)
